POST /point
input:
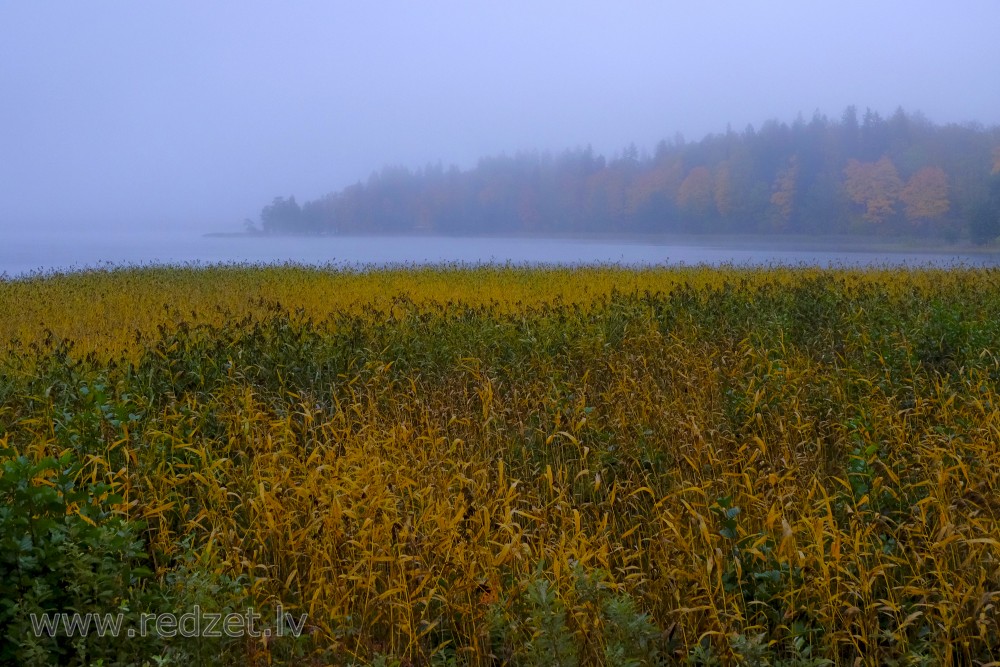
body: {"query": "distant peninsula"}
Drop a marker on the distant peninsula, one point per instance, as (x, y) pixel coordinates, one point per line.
(859, 175)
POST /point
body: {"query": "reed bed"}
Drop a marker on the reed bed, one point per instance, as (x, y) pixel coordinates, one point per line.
(504, 465)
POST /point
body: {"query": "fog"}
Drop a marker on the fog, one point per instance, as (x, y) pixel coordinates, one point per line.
(191, 116)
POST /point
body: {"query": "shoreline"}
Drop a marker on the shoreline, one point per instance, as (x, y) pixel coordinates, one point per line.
(784, 242)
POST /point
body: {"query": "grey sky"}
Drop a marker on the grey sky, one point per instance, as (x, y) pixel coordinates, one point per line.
(190, 115)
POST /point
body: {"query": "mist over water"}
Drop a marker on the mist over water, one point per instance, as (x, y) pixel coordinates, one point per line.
(24, 253)
(110, 124)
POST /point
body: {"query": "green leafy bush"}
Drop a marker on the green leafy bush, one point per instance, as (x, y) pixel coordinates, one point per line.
(63, 550)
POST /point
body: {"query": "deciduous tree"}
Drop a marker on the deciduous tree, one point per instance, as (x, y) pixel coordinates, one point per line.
(723, 189)
(925, 196)
(875, 186)
(783, 192)
(694, 196)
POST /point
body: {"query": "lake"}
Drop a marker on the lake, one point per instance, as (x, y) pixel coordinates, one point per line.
(22, 253)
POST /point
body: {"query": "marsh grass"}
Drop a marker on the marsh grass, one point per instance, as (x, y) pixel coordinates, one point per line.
(514, 466)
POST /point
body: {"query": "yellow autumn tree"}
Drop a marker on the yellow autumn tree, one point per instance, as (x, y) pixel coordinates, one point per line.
(925, 196)
(875, 186)
(663, 180)
(723, 189)
(783, 192)
(694, 196)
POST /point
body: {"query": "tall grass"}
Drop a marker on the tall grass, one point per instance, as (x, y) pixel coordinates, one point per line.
(514, 466)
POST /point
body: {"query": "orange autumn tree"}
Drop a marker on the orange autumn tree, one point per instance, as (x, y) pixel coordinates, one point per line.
(926, 195)
(875, 186)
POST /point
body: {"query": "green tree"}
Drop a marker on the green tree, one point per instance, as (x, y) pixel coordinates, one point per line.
(281, 215)
(984, 223)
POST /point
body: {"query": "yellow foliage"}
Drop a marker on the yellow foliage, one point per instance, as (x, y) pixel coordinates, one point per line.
(413, 500)
(783, 196)
(926, 194)
(695, 195)
(874, 185)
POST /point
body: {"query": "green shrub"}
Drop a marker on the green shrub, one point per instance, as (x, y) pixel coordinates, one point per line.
(63, 550)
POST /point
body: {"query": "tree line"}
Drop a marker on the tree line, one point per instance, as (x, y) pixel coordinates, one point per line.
(859, 174)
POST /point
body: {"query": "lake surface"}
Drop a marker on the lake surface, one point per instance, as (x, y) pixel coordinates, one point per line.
(22, 253)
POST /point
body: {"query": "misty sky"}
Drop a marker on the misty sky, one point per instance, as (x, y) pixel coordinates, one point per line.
(192, 115)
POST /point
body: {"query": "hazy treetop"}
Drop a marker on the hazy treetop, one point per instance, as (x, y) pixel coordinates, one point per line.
(190, 114)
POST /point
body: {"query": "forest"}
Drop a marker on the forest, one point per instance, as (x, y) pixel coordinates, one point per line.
(861, 174)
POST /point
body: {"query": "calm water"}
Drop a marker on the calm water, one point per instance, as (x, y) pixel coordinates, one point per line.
(25, 252)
